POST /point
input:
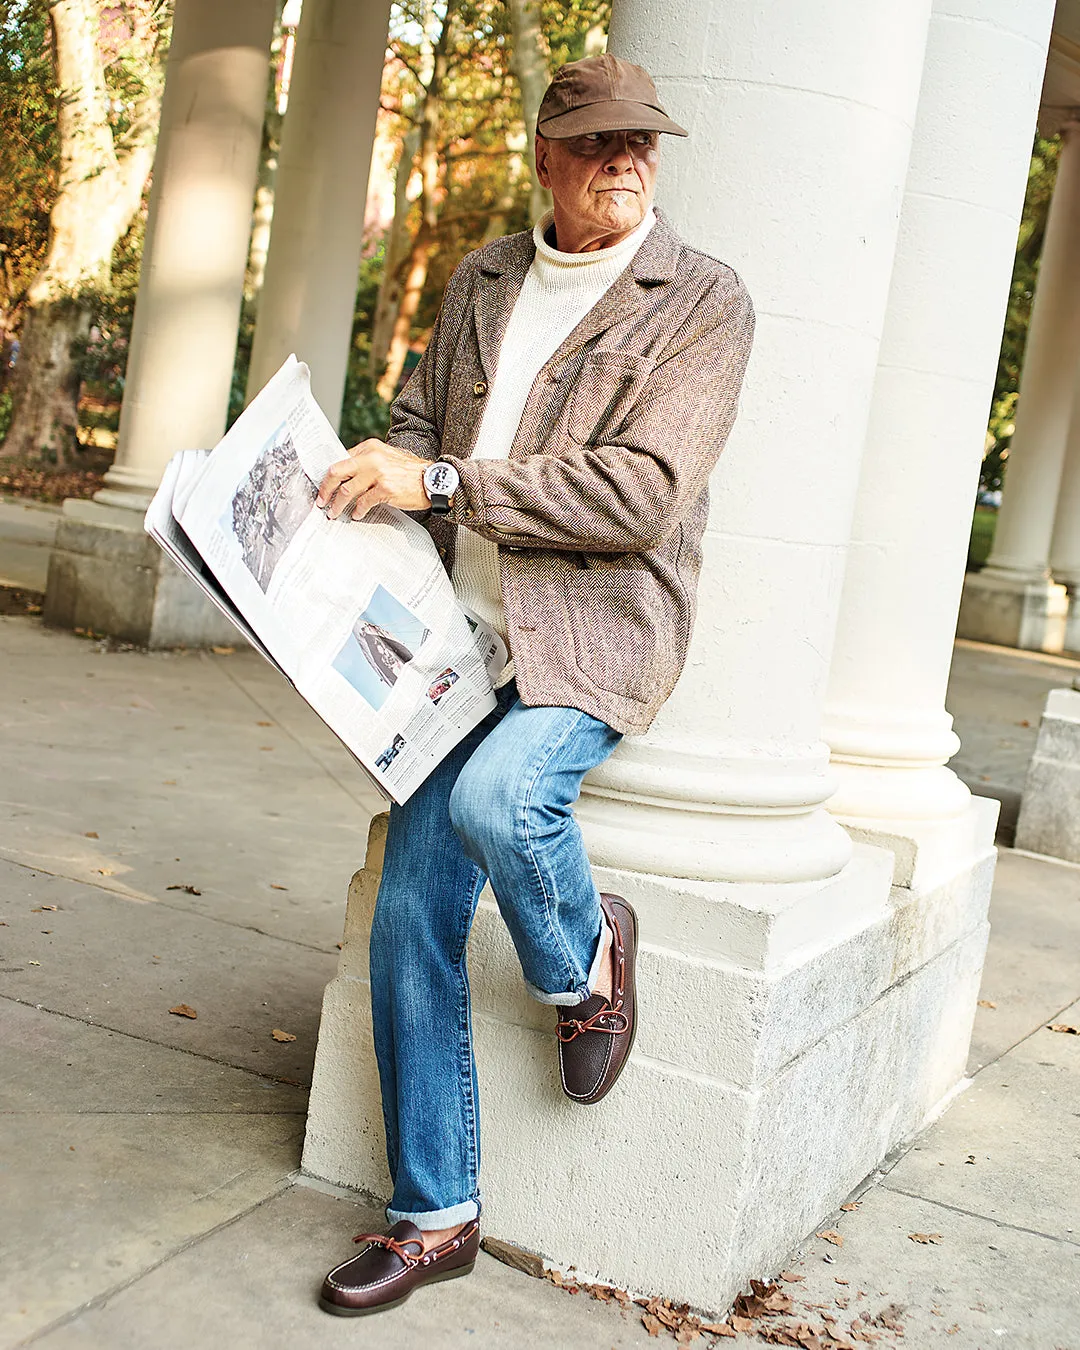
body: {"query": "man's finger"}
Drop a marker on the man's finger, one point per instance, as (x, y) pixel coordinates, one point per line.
(337, 474)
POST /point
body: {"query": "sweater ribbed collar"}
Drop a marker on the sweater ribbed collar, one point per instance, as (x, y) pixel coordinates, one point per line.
(611, 260)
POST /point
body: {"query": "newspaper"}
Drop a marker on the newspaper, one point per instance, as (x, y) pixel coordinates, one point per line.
(359, 616)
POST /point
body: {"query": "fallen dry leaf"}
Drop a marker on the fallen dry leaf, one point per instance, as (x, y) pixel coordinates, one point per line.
(280, 1035)
(791, 1276)
(742, 1323)
(264, 724)
(223, 651)
(185, 886)
(90, 834)
(182, 1010)
(651, 1324)
(275, 887)
(850, 1208)
(831, 1235)
(105, 871)
(1065, 1029)
(987, 1003)
(925, 1237)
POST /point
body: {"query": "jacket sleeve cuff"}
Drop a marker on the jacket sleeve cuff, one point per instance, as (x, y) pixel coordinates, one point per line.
(467, 506)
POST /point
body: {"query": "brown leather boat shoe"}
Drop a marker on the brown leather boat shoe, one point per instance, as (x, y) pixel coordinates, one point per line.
(596, 1037)
(392, 1265)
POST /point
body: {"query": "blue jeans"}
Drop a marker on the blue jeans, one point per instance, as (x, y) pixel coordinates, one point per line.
(498, 808)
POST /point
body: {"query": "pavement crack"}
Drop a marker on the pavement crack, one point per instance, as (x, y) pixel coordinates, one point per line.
(146, 898)
(986, 1218)
(99, 1300)
(1052, 1017)
(149, 1040)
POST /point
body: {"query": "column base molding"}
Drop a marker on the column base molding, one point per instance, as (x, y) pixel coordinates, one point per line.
(927, 818)
(107, 576)
(1013, 611)
(1049, 821)
(790, 1037)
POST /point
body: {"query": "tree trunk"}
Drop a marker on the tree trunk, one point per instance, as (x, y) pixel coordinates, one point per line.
(412, 289)
(528, 61)
(424, 243)
(391, 286)
(45, 381)
(99, 188)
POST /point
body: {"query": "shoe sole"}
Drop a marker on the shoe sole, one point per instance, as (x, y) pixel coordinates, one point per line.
(339, 1311)
(599, 1096)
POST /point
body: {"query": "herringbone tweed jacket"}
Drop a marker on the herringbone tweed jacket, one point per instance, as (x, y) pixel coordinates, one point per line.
(600, 509)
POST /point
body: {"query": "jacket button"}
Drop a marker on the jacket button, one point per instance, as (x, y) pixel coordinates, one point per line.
(480, 388)
(468, 513)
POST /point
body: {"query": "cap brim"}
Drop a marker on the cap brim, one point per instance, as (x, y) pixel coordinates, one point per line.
(614, 115)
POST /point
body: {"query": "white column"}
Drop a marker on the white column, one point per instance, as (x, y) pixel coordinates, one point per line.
(1065, 542)
(1047, 383)
(805, 130)
(307, 300)
(183, 342)
(1013, 601)
(885, 715)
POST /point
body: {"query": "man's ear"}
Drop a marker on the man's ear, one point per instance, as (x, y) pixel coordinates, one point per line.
(542, 152)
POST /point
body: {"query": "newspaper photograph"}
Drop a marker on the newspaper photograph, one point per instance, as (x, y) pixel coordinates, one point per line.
(359, 615)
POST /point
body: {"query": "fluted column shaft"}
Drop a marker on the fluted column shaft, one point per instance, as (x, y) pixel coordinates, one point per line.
(183, 340)
(885, 714)
(308, 297)
(793, 174)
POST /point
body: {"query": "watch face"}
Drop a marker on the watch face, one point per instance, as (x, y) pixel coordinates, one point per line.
(441, 478)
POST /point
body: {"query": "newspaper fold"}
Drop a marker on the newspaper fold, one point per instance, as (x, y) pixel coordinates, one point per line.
(359, 616)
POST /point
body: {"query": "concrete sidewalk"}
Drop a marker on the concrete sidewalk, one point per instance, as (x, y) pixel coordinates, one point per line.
(177, 828)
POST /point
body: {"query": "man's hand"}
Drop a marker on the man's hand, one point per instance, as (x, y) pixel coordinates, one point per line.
(374, 472)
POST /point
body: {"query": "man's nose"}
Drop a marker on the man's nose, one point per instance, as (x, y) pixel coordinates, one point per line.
(619, 159)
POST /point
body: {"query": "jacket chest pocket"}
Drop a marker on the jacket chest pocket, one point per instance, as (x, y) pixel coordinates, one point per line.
(603, 392)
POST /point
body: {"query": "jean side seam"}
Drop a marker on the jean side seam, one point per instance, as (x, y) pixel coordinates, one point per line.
(465, 1046)
(540, 766)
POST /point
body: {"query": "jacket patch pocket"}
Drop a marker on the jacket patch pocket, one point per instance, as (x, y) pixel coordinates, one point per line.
(612, 616)
(603, 393)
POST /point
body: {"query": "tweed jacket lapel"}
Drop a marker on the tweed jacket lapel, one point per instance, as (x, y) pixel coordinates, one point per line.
(506, 262)
(503, 266)
(652, 265)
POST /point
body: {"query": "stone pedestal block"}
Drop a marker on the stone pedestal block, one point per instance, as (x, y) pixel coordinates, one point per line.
(107, 576)
(790, 1036)
(1050, 808)
(1012, 612)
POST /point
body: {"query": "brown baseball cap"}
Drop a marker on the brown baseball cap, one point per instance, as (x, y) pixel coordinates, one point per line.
(602, 93)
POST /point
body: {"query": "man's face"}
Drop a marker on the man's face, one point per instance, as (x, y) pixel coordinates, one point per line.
(602, 185)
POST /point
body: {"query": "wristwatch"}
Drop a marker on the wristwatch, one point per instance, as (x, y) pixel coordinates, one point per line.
(440, 483)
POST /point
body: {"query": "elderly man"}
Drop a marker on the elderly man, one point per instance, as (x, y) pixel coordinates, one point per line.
(580, 382)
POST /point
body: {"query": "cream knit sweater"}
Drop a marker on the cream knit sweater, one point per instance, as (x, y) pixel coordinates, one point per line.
(558, 291)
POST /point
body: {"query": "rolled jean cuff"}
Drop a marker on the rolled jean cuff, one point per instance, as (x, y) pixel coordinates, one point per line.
(583, 991)
(438, 1218)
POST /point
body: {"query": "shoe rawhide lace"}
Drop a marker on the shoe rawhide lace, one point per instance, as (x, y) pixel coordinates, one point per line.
(392, 1265)
(596, 1037)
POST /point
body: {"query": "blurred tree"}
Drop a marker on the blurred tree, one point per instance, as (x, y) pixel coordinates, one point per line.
(463, 85)
(28, 153)
(529, 62)
(1041, 177)
(108, 82)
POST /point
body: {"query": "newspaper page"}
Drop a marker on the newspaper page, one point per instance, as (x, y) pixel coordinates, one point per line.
(359, 615)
